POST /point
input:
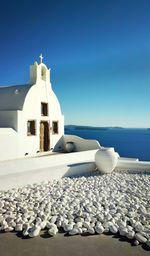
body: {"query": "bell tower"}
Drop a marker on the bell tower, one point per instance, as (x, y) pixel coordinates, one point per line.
(39, 72)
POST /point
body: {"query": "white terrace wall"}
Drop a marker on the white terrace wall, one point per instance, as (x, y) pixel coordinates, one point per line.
(8, 144)
(33, 170)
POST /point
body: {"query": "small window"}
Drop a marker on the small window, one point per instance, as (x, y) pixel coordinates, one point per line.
(55, 127)
(31, 128)
(44, 109)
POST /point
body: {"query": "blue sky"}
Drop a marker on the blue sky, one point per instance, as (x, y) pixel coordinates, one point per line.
(98, 52)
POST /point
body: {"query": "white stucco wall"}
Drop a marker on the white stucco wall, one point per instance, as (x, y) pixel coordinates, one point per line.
(8, 144)
(9, 119)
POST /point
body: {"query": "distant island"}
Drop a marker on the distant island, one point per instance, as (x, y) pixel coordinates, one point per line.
(82, 127)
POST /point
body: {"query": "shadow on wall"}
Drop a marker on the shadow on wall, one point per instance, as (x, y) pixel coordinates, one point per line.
(72, 143)
(80, 169)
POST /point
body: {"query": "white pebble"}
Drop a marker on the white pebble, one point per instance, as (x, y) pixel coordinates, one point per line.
(19, 227)
(73, 232)
(113, 229)
(91, 230)
(9, 229)
(68, 227)
(123, 231)
(136, 242)
(140, 238)
(130, 234)
(53, 230)
(43, 224)
(35, 231)
(99, 229)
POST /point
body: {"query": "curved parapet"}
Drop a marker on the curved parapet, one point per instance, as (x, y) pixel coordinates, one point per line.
(79, 144)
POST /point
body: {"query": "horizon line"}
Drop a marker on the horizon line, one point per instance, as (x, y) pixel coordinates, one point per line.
(117, 126)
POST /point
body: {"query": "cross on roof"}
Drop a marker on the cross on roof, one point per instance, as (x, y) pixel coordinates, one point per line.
(41, 57)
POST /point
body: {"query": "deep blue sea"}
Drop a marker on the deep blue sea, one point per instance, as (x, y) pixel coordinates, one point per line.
(127, 142)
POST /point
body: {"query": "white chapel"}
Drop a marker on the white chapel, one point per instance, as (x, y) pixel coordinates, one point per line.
(31, 120)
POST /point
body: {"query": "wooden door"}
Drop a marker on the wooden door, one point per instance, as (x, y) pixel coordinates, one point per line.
(44, 136)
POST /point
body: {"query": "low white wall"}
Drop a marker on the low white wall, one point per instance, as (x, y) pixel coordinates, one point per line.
(20, 172)
(8, 144)
(129, 164)
(44, 174)
(52, 160)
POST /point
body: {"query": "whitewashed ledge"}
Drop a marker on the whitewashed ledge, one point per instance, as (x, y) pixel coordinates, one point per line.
(18, 173)
(133, 165)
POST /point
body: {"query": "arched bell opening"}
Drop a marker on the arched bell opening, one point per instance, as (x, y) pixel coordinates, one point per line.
(43, 73)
